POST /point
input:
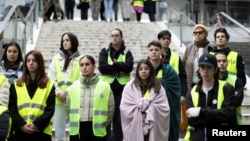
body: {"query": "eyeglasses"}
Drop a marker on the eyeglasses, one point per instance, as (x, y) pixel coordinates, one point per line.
(115, 35)
(198, 32)
(141, 69)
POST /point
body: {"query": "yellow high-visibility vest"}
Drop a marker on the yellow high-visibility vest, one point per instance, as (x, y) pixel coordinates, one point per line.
(100, 108)
(74, 74)
(195, 100)
(30, 109)
(122, 78)
(174, 61)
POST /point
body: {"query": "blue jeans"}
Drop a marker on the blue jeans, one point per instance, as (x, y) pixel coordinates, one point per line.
(108, 4)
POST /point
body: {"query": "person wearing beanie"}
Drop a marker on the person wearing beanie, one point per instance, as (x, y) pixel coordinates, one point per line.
(193, 51)
(211, 102)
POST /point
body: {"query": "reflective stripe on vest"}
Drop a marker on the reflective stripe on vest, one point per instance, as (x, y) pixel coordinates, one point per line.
(174, 61)
(2, 79)
(74, 74)
(100, 108)
(195, 100)
(231, 79)
(31, 109)
(232, 61)
(122, 78)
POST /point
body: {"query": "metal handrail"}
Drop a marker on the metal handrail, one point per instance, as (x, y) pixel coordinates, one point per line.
(6, 20)
(228, 18)
(182, 16)
(15, 15)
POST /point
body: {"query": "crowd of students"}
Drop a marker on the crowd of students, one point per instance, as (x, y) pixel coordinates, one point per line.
(113, 105)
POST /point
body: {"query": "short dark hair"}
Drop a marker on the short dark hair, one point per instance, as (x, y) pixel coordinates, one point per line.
(223, 30)
(163, 33)
(155, 43)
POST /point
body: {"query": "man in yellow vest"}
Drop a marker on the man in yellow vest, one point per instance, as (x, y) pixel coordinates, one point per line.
(171, 83)
(236, 63)
(211, 102)
(233, 80)
(115, 65)
(172, 57)
(4, 114)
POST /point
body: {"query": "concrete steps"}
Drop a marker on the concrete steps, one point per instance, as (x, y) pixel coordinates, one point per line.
(95, 35)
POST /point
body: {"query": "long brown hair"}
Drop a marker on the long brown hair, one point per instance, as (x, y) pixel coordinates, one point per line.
(153, 82)
(41, 76)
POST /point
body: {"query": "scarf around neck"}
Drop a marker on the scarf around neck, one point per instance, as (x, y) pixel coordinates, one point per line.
(202, 43)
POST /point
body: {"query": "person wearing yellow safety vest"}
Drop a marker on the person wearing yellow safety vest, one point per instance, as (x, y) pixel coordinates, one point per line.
(211, 102)
(32, 101)
(171, 83)
(144, 106)
(233, 80)
(5, 121)
(236, 63)
(91, 104)
(115, 65)
(173, 58)
(64, 70)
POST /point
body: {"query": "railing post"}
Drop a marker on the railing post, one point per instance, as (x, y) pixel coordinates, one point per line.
(181, 26)
(15, 26)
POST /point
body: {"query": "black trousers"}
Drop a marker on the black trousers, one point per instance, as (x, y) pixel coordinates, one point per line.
(102, 11)
(84, 11)
(69, 9)
(116, 133)
(138, 16)
(86, 133)
(4, 125)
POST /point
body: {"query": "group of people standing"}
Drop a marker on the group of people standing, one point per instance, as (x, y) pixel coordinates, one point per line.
(113, 105)
(107, 10)
(215, 79)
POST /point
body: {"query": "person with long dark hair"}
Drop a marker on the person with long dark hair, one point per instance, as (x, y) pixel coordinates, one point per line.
(64, 70)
